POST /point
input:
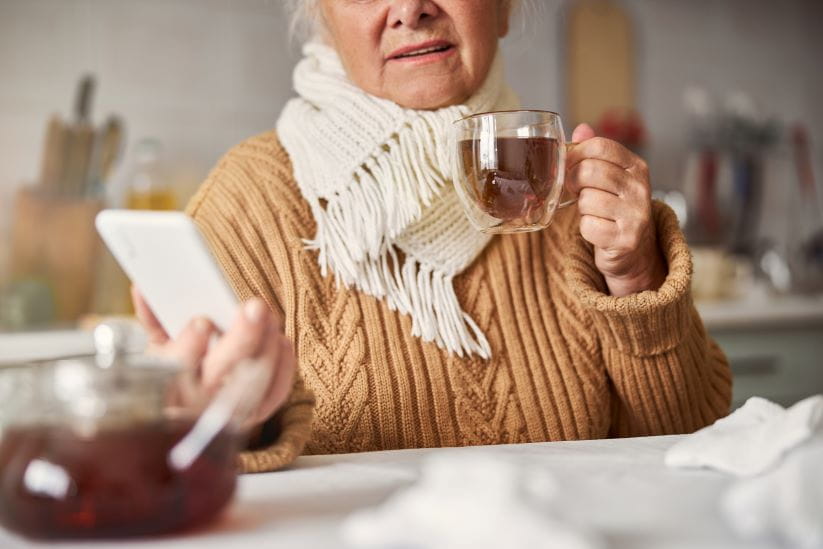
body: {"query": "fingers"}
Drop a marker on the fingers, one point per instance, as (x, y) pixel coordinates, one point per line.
(614, 206)
(601, 232)
(602, 204)
(582, 132)
(598, 174)
(255, 333)
(191, 345)
(278, 352)
(614, 202)
(245, 339)
(600, 148)
(283, 378)
(154, 330)
(285, 374)
(617, 239)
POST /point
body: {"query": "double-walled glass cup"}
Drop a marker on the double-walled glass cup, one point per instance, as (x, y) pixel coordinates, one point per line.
(509, 169)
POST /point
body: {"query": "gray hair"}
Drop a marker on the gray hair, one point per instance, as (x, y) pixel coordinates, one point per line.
(304, 18)
(306, 21)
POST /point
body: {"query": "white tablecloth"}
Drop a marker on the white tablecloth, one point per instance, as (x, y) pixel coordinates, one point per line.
(619, 488)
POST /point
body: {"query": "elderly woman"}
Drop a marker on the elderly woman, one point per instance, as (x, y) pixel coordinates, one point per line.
(332, 225)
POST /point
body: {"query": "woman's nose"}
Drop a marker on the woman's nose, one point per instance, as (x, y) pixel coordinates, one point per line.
(411, 13)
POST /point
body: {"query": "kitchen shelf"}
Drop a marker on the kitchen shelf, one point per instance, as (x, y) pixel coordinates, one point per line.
(761, 312)
(51, 344)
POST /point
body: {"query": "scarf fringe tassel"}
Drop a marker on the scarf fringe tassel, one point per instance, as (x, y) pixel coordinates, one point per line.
(355, 231)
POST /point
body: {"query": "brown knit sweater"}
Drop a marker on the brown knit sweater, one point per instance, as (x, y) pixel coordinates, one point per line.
(569, 361)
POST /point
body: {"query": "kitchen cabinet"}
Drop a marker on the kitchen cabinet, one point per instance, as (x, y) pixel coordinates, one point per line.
(774, 345)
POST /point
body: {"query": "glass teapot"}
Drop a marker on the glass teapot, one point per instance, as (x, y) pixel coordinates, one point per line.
(116, 445)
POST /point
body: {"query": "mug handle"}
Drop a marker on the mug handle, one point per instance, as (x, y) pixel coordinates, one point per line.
(569, 146)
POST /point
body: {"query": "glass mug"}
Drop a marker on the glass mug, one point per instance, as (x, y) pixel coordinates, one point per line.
(509, 169)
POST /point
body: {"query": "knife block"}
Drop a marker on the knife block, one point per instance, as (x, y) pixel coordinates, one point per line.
(54, 239)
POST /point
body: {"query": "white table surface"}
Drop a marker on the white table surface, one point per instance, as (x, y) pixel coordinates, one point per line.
(620, 488)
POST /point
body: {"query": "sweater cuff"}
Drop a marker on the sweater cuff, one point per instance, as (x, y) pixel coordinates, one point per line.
(643, 324)
(294, 431)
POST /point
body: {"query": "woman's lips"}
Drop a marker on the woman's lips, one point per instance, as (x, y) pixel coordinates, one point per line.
(425, 52)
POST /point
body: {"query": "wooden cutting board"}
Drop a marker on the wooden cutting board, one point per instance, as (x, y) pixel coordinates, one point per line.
(600, 60)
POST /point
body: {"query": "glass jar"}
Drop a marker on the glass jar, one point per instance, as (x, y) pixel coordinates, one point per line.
(148, 189)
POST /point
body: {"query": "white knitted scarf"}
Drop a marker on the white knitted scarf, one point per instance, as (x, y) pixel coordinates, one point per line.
(378, 179)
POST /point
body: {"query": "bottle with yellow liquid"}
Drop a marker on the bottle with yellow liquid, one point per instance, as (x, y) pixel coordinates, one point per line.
(147, 189)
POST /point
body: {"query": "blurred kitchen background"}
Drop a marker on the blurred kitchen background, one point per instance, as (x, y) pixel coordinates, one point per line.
(116, 103)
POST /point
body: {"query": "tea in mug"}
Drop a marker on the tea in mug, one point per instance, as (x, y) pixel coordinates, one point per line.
(513, 180)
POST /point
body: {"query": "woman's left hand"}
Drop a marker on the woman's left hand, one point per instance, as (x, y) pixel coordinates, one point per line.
(256, 333)
(614, 201)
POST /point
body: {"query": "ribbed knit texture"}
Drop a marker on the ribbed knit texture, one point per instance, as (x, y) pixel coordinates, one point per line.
(568, 361)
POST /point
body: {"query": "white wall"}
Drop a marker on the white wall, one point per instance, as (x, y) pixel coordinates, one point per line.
(199, 74)
(203, 74)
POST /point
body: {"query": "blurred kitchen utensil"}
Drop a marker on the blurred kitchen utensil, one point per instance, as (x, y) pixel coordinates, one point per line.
(53, 163)
(808, 219)
(803, 159)
(707, 210)
(748, 192)
(80, 141)
(107, 150)
(111, 146)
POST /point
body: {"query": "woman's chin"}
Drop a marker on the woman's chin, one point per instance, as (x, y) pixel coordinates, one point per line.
(428, 98)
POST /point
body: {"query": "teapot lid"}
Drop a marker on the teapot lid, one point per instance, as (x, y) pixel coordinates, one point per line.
(112, 388)
(110, 344)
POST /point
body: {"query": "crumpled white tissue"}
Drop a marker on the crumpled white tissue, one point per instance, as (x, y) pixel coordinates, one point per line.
(786, 502)
(470, 501)
(778, 453)
(752, 439)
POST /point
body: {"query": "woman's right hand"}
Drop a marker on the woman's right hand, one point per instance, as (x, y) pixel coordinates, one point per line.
(256, 333)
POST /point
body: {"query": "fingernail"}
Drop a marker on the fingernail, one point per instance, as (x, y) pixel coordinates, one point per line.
(254, 310)
(202, 325)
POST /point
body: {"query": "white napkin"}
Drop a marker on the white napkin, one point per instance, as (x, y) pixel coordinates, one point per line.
(752, 439)
(786, 502)
(782, 496)
(470, 501)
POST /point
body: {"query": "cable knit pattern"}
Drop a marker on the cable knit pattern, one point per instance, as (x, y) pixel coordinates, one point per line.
(568, 361)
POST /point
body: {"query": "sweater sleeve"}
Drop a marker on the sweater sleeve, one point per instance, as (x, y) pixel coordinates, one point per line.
(667, 376)
(247, 254)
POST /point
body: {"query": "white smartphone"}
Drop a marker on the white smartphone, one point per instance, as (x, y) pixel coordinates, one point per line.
(166, 257)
